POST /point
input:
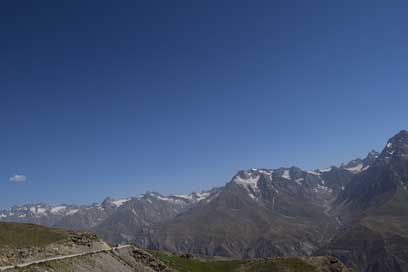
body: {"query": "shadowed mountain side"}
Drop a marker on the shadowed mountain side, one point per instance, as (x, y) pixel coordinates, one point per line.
(236, 225)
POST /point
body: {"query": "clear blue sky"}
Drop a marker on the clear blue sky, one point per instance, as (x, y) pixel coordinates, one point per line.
(114, 98)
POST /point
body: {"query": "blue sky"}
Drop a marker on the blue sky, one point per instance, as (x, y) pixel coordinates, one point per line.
(100, 98)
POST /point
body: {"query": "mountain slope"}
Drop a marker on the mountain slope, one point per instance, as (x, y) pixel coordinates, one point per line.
(387, 175)
(88, 217)
(374, 209)
(145, 211)
(39, 213)
(69, 216)
(119, 218)
(265, 212)
(259, 213)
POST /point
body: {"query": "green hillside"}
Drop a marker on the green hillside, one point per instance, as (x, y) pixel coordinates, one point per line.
(181, 264)
(19, 235)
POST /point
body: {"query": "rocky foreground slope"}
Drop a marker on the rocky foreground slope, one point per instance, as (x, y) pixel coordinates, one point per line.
(20, 243)
(127, 259)
(28, 247)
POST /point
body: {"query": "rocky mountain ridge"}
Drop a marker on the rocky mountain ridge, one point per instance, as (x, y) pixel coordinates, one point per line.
(356, 211)
(89, 216)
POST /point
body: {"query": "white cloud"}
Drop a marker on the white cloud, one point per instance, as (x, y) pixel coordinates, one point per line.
(18, 178)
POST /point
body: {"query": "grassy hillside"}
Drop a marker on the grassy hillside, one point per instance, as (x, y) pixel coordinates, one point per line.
(15, 235)
(195, 265)
(261, 265)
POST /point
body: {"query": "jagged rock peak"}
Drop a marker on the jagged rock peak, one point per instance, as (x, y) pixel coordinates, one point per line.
(398, 144)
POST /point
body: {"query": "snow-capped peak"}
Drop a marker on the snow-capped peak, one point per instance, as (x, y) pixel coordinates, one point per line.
(203, 195)
(325, 170)
(120, 202)
(195, 197)
(318, 172)
(315, 173)
(58, 209)
(249, 181)
(286, 174)
(397, 147)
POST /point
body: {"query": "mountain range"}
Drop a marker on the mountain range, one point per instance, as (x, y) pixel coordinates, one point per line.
(357, 211)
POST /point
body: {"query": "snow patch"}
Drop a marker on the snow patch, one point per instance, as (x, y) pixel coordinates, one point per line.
(298, 181)
(313, 173)
(325, 170)
(120, 202)
(202, 195)
(195, 196)
(265, 172)
(58, 209)
(286, 175)
(356, 169)
(71, 212)
(169, 199)
(250, 183)
(41, 211)
(38, 211)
